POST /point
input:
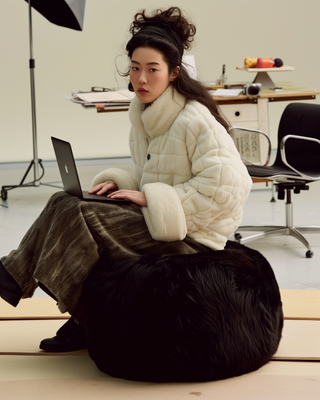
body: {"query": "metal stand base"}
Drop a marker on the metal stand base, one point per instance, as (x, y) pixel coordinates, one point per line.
(277, 230)
(36, 182)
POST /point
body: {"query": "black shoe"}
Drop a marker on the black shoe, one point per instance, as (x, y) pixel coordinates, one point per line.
(10, 291)
(70, 337)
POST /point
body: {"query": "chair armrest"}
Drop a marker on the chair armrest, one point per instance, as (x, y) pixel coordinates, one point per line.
(283, 152)
(236, 129)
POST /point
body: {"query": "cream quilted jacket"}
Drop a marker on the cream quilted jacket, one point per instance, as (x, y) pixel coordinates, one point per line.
(189, 169)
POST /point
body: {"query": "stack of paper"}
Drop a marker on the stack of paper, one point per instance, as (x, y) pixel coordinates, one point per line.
(227, 92)
(113, 99)
(120, 97)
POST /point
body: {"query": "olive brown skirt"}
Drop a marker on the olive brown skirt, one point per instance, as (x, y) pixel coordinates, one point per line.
(67, 239)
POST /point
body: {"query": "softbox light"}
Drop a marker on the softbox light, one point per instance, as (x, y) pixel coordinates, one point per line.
(66, 13)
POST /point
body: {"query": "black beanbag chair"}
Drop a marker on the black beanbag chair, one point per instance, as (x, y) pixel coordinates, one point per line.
(183, 318)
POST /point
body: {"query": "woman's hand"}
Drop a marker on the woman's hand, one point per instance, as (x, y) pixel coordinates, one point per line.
(133, 195)
(102, 188)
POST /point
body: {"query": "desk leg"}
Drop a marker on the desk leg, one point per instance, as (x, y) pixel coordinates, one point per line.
(263, 121)
(263, 115)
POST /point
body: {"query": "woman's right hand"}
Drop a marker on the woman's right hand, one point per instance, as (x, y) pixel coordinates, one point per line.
(102, 188)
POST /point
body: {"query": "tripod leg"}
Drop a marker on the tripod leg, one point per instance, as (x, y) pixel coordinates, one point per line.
(26, 173)
(5, 188)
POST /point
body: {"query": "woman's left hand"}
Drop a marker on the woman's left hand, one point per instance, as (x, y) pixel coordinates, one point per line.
(133, 195)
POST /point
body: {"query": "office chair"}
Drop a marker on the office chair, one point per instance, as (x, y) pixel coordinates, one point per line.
(297, 164)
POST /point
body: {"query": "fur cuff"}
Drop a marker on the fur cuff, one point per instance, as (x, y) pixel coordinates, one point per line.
(121, 177)
(164, 214)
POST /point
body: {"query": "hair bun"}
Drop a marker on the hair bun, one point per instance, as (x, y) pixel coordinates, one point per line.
(173, 17)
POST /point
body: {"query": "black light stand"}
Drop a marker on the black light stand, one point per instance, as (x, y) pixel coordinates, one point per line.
(65, 13)
(35, 163)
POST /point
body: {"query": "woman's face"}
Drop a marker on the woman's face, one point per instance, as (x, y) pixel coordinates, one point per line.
(149, 74)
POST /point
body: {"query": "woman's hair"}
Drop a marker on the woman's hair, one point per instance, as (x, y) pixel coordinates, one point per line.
(170, 33)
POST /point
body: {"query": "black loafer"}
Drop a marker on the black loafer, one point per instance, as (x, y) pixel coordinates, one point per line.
(10, 291)
(70, 337)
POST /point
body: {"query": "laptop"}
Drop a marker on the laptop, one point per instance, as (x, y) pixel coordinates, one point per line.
(69, 174)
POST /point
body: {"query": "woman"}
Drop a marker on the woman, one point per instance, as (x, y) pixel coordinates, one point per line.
(187, 193)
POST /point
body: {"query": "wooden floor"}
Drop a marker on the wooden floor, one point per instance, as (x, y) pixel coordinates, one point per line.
(294, 372)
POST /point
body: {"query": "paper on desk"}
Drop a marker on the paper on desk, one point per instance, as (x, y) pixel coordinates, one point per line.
(74, 100)
(119, 96)
(227, 92)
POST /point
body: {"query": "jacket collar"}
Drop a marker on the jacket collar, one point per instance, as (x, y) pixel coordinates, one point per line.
(156, 119)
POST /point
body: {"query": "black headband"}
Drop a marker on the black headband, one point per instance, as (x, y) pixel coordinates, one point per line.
(163, 31)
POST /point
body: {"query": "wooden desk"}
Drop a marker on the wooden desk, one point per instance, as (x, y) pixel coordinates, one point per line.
(290, 92)
(252, 111)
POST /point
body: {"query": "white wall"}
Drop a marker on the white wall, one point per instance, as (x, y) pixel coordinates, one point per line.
(66, 60)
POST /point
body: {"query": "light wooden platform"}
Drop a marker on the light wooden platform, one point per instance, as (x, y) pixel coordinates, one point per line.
(22, 337)
(297, 304)
(301, 304)
(34, 308)
(300, 341)
(294, 372)
(77, 378)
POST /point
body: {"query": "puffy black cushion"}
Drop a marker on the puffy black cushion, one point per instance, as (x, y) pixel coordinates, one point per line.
(198, 317)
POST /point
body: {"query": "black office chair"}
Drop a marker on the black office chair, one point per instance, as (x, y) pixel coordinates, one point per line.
(296, 165)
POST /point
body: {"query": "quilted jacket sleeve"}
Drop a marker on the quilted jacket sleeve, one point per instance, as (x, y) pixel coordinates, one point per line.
(164, 215)
(122, 178)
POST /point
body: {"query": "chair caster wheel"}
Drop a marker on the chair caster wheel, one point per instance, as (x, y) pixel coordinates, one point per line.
(238, 237)
(309, 254)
